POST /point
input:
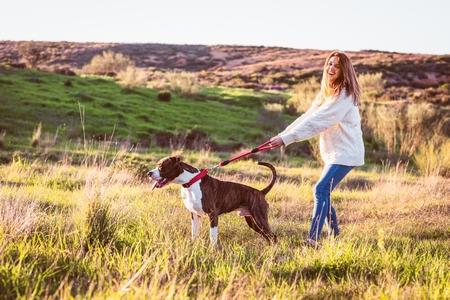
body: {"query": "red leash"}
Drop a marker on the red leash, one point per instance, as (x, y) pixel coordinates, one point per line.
(196, 178)
(263, 147)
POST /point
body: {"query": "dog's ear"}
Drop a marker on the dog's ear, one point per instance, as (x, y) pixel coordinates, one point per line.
(188, 168)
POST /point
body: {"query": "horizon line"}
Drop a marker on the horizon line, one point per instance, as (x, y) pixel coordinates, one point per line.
(224, 44)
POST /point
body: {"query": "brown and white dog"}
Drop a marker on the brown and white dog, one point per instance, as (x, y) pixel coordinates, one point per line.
(212, 197)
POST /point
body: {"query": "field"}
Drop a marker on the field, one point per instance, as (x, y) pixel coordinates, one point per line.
(96, 230)
(79, 220)
(29, 97)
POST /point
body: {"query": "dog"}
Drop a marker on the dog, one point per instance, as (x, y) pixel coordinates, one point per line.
(212, 197)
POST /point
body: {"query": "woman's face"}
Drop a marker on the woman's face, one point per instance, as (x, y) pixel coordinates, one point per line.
(333, 69)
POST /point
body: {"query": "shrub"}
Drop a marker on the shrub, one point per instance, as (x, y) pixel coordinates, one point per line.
(164, 96)
(132, 77)
(400, 129)
(372, 85)
(36, 136)
(108, 62)
(101, 224)
(270, 118)
(183, 83)
(68, 83)
(32, 53)
(433, 157)
(303, 95)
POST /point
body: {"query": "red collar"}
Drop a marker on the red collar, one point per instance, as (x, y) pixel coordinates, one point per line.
(196, 178)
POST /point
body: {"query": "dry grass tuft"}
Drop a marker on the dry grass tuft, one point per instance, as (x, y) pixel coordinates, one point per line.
(19, 217)
(108, 63)
(36, 137)
(132, 77)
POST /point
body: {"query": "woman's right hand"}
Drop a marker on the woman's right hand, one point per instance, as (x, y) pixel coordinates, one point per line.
(276, 142)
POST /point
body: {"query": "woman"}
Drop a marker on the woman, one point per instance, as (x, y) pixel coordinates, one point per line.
(335, 116)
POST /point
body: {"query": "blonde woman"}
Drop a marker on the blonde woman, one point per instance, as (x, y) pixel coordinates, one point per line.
(334, 115)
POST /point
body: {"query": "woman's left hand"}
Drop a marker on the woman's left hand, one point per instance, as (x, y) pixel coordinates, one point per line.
(276, 141)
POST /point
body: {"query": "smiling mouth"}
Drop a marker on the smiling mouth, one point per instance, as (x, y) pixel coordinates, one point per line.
(160, 183)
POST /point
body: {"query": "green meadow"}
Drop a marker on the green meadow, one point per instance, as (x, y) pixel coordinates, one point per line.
(78, 220)
(30, 97)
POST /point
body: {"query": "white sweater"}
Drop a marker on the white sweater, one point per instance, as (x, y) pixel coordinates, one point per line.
(338, 122)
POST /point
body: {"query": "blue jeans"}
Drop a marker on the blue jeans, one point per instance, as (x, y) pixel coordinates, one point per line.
(331, 176)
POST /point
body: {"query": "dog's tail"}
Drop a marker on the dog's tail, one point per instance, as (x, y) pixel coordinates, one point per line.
(274, 177)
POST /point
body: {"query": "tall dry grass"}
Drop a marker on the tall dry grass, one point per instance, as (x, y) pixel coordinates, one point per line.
(399, 128)
(433, 157)
(36, 137)
(303, 94)
(394, 236)
(108, 62)
(132, 77)
(372, 86)
(183, 83)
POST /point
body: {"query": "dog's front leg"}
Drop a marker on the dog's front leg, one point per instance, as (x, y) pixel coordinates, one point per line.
(195, 225)
(213, 232)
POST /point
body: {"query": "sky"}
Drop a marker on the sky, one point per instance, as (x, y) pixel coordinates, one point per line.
(347, 25)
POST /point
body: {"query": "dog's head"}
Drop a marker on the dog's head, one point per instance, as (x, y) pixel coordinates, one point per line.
(168, 169)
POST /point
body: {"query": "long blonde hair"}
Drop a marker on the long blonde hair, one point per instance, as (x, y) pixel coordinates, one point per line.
(348, 79)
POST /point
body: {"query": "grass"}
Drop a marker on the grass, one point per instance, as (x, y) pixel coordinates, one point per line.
(96, 231)
(77, 220)
(136, 113)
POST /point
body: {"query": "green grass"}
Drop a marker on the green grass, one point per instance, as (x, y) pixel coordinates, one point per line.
(28, 97)
(95, 231)
(75, 225)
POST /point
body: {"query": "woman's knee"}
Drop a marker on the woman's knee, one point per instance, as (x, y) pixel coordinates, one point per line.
(321, 190)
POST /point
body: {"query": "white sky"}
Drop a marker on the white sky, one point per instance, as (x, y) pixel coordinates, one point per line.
(395, 25)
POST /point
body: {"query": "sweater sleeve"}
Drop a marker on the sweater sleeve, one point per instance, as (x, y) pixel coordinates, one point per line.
(310, 110)
(327, 115)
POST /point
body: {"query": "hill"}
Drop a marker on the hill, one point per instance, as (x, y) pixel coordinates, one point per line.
(407, 75)
(223, 117)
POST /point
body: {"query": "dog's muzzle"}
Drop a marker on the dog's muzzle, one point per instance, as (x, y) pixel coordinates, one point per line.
(159, 181)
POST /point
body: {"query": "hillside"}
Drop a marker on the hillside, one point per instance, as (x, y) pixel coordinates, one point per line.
(408, 76)
(223, 117)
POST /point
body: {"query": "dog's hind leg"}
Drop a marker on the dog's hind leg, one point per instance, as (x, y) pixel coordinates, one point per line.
(263, 225)
(213, 232)
(195, 225)
(251, 223)
(260, 218)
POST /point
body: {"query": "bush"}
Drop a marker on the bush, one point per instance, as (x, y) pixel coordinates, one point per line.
(164, 96)
(101, 224)
(107, 63)
(183, 83)
(132, 77)
(303, 95)
(68, 83)
(399, 129)
(32, 53)
(433, 158)
(372, 85)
